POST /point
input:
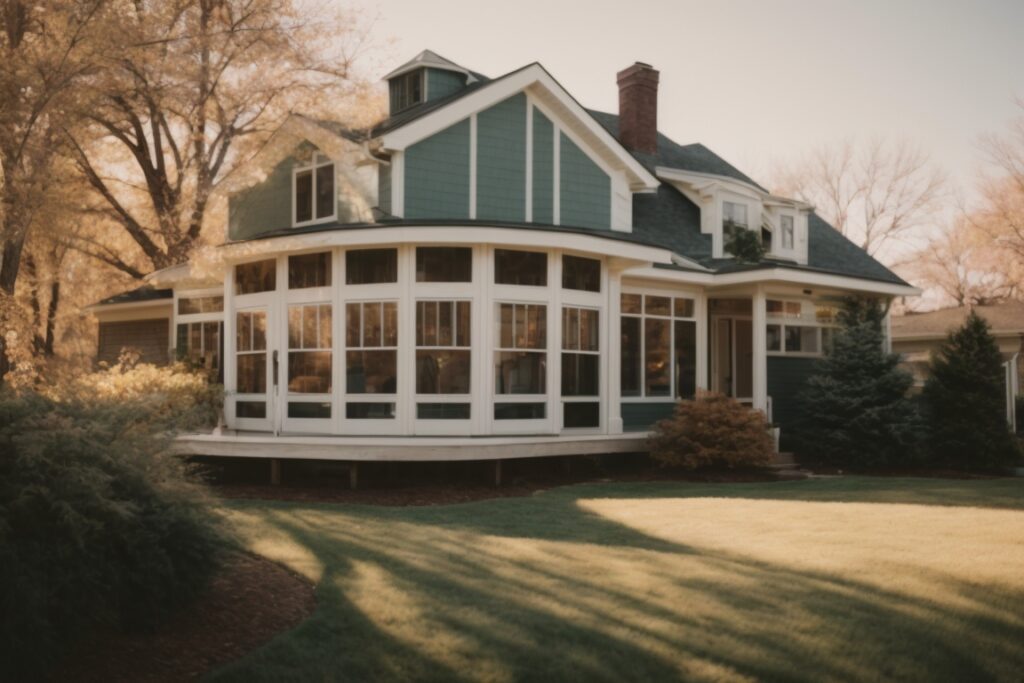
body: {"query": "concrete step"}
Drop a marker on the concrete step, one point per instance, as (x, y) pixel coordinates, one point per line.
(786, 459)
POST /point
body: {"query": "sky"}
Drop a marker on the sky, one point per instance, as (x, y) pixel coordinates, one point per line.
(759, 82)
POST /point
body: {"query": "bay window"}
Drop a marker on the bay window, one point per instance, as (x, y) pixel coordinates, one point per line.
(309, 349)
(799, 327)
(371, 357)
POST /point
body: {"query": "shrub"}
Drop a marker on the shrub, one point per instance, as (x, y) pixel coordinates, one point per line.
(712, 431)
(744, 245)
(98, 523)
(966, 402)
(854, 411)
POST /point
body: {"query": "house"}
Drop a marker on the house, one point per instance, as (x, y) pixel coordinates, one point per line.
(496, 271)
(916, 336)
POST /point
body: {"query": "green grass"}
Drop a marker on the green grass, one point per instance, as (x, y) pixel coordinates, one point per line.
(831, 579)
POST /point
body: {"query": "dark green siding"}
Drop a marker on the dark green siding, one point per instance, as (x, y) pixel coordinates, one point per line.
(543, 168)
(638, 417)
(786, 377)
(384, 188)
(501, 161)
(441, 83)
(585, 198)
(437, 175)
(264, 207)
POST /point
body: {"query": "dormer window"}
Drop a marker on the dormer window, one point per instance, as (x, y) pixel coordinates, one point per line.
(786, 222)
(313, 191)
(734, 215)
(406, 90)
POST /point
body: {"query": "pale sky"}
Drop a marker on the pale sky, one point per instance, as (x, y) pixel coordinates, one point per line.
(756, 81)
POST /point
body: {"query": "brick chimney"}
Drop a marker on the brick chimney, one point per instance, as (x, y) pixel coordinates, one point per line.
(638, 108)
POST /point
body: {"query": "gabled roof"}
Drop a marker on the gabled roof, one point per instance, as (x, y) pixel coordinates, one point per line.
(1004, 318)
(137, 295)
(694, 157)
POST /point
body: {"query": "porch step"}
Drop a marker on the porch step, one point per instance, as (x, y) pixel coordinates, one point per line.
(784, 460)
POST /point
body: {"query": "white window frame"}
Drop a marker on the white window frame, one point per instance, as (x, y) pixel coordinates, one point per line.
(373, 425)
(318, 161)
(452, 426)
(673, 294)
(799, 320)
(601, 368)
(307, 424)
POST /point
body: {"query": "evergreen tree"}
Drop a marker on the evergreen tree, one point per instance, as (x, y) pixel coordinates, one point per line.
(854, 410)
(965, 397)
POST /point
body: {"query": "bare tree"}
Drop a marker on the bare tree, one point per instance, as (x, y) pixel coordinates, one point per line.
(874, 194)
(201, 85)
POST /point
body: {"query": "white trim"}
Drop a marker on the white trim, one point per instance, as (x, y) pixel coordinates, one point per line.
(398, 184)
(760, 346)
(128, 305)
(533, 76)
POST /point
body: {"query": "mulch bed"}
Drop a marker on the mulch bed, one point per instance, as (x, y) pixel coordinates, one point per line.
(248, 602)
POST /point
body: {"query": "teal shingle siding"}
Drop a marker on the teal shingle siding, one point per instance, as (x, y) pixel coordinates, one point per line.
(441, 83)
(543, 168)
(786, 377)
(639, 417)
(384, 188)
(501, 161)
(437, 175)
(585, 198)
(264, 207)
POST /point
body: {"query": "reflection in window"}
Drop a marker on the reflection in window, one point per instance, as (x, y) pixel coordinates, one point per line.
(200, 304)
(685, 345)
(255, 277)
(442, 347)
(444, 264)
(251, 352)
(371, 266)
(309, 270)
(658, 346)
(371, 338)
(520, 267)
(309, 349)
(520, 360)
(199, 344)
(801, 339)
(657, 363)
(631, 357)
(581, 364)
(581, 273)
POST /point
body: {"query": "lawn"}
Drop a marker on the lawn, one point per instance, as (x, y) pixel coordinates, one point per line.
(828, 579)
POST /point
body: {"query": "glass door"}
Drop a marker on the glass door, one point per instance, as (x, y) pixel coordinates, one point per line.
(253, 400)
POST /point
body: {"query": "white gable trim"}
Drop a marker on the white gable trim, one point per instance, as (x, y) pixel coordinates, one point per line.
(543, 87)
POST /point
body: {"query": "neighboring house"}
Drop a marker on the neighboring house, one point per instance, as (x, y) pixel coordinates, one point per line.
(499, 266)
(139, 320)
(915, 336)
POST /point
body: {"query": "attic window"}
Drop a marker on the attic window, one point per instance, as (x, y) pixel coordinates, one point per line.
(787, 231)
(406, 90)
(313, 189)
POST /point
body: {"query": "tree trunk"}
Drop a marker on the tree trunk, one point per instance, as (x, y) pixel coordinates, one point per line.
(51, 318)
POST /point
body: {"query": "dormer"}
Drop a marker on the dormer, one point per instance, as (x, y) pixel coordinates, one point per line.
(732, 204)
(424, 78)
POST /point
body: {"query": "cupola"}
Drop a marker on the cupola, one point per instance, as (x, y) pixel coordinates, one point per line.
(425, 78)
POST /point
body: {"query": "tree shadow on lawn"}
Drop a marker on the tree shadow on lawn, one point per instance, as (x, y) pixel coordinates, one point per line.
(542, 589)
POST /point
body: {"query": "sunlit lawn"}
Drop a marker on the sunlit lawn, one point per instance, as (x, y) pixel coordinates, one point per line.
(830, 579)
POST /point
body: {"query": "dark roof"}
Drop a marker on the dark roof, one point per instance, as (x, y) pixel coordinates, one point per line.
(1003, 318)
(695, 157)
(139, 294)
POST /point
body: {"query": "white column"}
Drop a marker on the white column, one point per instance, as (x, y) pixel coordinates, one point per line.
(613, 355)
(887, 330)
(700, 310)
(760, 350)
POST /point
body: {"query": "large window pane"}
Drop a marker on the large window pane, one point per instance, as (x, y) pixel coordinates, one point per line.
(686, 358)
(201, 304)
(252, 373)
(520, 411)
(801, 339)
(309, 270)
(581, 273)
(520, 267)
(303, 196)
(579, 415)
(580, 373)
(657, 380)
(371, 266)
(370, 411)
(325, 191)
(371, 372)
(522, 326)
(630, 369)
(519, 372)
(258, 276)
(442, 372)
(632, 303)
(444, 264)
(309, 372)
